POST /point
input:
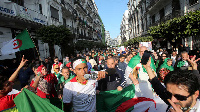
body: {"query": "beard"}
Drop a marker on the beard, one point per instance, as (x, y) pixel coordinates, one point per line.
(188, 105)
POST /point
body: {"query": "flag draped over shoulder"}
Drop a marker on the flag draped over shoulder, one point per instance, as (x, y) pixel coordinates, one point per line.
(27, 101)
(136, 60)
(139, 98)
(21, 42)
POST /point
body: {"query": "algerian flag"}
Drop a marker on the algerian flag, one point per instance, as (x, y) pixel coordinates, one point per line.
(134, 98)
(21, 42)
(135, 62)
(27, 101)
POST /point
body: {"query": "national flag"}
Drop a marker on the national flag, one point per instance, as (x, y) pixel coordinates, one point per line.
(136, 60)
(139, 98)
(27, 101)
(21, 42)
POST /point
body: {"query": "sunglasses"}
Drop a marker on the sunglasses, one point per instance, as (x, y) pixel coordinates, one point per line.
(177, 96)
(56, 68)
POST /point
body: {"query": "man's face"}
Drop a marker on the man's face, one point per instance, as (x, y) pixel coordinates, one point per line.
(122, 59)
(142, 49)
(169, 63)
(81, 70)
(56, 60)
(110, 63)
(181, 90)
(46, 60)
(7, 87)
(65, 73)
(35, 71)
(67, 59)
(184, 56)
(87, 58)
(173, 53)
(164, 56)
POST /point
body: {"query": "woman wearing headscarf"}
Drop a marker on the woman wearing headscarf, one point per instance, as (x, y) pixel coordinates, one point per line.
(165, 68)
(46, 86)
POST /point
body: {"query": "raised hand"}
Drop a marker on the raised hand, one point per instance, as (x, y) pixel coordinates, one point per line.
(193, 62)
(23, 62)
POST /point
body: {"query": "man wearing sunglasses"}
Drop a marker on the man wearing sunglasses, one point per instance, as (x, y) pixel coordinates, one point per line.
(182, 88)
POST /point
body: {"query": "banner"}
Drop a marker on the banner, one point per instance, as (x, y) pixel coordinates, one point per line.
(147, 44)
(13, 9)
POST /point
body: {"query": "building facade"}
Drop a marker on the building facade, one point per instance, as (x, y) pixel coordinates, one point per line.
(107, 38)
(146, 13)
(80, 16)
(124, 27)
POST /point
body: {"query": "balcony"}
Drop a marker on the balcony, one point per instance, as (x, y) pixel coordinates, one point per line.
(155, 5)
(67, 7)
(79, 7)
(89, 8)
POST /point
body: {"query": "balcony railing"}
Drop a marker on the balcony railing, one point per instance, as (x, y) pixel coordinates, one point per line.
(79, 4)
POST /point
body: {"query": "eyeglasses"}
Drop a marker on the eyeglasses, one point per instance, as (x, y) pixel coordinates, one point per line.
(56, 68)
(44, 69)
(177, 96)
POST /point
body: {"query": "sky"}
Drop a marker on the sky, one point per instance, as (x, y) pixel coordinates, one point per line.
(111, 13)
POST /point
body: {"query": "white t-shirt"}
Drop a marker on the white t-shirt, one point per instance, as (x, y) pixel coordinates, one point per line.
(82, 97)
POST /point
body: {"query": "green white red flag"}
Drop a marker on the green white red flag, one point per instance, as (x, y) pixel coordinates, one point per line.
(21, 42)
(133, 98)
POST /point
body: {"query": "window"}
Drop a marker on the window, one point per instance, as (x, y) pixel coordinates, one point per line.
(40, 8)
(19, 2)
(54, 13)
(153, 19)
(191, 2)
(64, 22)
(162, 13)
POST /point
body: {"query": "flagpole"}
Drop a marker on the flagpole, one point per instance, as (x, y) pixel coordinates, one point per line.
(34, 44)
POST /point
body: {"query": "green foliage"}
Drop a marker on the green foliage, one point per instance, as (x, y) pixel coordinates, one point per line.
(55, 35)
(137, 40)
(181, 27)
(82, 44)
(58, 35)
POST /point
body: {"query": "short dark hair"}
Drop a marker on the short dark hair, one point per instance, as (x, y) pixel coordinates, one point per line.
(121, 55)
(65, 67)
(183, 77)
(3, 79)
(55, 57)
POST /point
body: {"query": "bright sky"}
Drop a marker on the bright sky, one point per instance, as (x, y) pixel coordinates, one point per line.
(111, 13)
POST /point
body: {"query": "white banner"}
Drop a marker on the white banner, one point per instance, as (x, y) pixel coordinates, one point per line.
(14, 9)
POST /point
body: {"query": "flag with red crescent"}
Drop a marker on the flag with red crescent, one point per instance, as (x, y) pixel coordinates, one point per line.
(134, 98)
(21, 42)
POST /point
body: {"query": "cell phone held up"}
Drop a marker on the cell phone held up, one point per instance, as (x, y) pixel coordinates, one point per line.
(145, 57)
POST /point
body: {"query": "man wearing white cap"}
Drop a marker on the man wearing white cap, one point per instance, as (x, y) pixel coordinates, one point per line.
(81, 92)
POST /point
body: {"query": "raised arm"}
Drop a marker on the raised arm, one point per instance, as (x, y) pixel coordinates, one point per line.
(15, 74)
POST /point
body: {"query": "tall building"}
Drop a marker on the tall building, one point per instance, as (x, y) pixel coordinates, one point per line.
(124, 28)
(107, 38)
(119, 40)
(80, 16)
(146, 13)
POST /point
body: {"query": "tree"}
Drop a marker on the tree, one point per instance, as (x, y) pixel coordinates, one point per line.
(56, 35)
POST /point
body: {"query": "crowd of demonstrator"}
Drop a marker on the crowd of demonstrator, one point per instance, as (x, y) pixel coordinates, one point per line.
(173, 75)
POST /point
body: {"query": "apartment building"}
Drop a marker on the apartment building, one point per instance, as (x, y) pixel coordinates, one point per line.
(80, 16)
(124, 27)
(146, 13)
